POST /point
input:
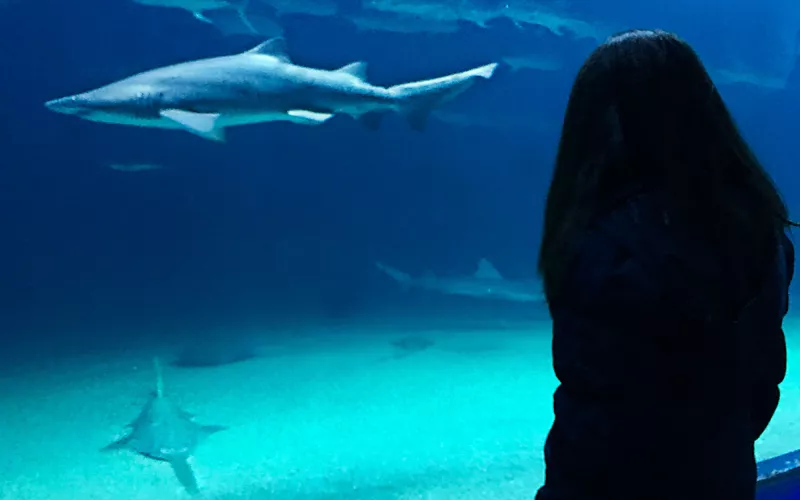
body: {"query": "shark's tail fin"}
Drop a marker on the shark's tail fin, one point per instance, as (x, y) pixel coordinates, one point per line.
(418, 99)
(241, 6)
(183, 471)
(244, 17)
(393, 273)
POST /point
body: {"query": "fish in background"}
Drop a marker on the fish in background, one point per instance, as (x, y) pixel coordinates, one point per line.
(134, 167)
(318, 8)
(507, 122)
(247, 17)
(540, 62)
(263, 17)
(200, 8)
(485, 283)
(256, 21)
(260, 85)
(521, 13)
(401, 23)
(723, 76)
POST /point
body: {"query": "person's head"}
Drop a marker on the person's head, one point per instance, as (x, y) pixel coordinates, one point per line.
(644, 115)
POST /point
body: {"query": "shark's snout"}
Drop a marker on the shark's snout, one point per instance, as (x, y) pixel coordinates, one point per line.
(70, 105)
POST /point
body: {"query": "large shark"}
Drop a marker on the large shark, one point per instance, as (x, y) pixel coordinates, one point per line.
(487, 282)
(260, 85)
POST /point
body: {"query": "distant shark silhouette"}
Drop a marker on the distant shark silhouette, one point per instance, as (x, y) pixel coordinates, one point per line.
(164, 432)
(487, 282)
(217, 351)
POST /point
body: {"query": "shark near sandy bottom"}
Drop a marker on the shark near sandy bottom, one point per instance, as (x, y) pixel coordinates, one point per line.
(485, 283)
(164, 432)
(261, 85)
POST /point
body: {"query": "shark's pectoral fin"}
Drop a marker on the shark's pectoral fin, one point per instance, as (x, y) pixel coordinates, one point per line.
(200, 17)
(308, 117)
(418, 118)
(185, 474)
(372, 120)
(202, 124)
(120, 444)
(208, 430)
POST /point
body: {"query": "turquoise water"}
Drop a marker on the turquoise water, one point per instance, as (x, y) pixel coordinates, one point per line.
(324, 412)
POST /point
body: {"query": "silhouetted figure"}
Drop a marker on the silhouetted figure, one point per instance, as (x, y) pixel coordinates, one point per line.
(666, 268)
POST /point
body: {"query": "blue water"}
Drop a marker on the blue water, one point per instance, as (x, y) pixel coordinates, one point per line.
(282, 224)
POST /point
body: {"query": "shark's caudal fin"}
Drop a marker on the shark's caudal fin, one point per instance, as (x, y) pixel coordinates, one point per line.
(240, 6)
(418, 99)
(243, 17)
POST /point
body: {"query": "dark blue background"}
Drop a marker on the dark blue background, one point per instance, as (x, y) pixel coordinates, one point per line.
(281, 219)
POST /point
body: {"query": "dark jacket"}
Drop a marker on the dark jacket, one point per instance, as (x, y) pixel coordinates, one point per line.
(668, 362)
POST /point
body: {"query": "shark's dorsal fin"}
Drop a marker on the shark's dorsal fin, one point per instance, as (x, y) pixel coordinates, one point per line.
(159, 378)
(274, 47)
(487, 271)
(358, 69)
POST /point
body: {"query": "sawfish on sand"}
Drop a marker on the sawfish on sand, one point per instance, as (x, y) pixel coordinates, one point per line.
(164, 432)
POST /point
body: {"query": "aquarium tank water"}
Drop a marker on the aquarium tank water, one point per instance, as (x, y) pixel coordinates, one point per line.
(332, 295)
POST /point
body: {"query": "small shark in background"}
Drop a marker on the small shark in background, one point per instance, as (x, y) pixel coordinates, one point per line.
(557, 20)
(539, 62)
(317, 8)
(250, 17)
(375, 20)
(261, 85)
(134, 167)
(199, 8)
(486, 283)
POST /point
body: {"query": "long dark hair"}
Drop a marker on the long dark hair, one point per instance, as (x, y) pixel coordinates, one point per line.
(644, 115)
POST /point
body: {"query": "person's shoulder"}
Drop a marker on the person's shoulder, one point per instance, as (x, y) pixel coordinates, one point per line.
(616, 257)
(637, 227)
(635, 257)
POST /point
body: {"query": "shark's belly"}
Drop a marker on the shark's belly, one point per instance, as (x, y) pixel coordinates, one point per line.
(165, 442)
(133, 120)
(234, 119)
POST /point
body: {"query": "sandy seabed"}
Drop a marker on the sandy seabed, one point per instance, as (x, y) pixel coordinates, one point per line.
(324, 413)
